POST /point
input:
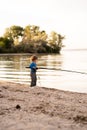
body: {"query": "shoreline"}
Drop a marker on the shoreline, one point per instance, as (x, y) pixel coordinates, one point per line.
(3, 54)
(22, 107)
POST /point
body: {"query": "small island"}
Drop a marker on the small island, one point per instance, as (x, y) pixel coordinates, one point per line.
(30, 39)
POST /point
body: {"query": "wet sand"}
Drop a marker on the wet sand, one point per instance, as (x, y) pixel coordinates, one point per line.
(25, 108)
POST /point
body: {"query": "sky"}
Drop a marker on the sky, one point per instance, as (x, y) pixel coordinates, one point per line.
(67, 17)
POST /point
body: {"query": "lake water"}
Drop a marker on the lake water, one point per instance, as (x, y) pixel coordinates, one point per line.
(12, 68)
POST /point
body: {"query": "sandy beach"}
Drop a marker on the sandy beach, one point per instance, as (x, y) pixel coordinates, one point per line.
(25, 108)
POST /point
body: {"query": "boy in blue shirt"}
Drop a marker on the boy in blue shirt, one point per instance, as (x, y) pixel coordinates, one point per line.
(33, 67)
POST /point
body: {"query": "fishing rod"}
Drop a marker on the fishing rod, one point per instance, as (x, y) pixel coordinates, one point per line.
(71, 71)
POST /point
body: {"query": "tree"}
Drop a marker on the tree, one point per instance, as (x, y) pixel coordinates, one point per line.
(14, 33)
(43, 36)
(5, 43)
(55, 41)
(60, 39)
(30, 34)
(27, 34)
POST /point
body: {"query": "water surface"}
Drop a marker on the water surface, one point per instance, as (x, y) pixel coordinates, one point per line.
(12, 68)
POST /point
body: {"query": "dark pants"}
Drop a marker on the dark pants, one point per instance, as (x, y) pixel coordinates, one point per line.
(33, 79)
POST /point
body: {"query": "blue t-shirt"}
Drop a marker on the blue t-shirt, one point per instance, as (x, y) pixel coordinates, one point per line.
(33, 66)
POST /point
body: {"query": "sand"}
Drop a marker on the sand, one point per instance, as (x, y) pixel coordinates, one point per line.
(25, 108)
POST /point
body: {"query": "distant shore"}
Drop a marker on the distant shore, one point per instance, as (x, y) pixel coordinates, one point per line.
(25, 108)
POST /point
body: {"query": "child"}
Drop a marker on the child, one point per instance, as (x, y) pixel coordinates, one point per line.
(33, 67)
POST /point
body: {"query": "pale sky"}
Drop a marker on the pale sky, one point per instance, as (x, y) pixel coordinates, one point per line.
(67, 17)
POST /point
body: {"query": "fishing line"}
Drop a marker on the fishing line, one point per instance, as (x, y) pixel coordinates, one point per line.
(39, 81)
(71, 71)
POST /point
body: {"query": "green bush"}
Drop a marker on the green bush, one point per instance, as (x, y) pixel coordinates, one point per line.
(2, 44)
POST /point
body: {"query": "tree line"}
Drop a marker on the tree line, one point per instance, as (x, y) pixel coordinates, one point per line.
(30, 39)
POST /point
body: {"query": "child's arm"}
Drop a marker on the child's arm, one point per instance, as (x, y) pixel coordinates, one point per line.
(33, 67)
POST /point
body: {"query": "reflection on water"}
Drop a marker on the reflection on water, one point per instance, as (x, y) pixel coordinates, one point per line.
(12, 68)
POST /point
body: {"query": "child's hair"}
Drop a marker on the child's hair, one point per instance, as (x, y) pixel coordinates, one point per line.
(33, 58)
